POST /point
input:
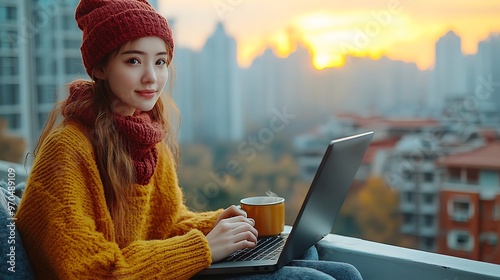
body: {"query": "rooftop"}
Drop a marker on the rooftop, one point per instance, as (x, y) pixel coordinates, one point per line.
(485, 157)
(379, 121)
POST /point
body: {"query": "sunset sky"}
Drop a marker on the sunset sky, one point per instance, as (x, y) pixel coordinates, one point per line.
(404, 30)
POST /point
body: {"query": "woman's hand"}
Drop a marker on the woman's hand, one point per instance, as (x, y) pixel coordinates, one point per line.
(232, 231)
(231, 211)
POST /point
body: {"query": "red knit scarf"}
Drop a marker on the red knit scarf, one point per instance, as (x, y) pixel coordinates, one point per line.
(139, 133)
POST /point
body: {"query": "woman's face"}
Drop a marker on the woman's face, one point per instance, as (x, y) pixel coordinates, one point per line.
(137, 75)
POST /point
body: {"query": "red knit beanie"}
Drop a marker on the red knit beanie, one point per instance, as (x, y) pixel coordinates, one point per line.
(108, 24)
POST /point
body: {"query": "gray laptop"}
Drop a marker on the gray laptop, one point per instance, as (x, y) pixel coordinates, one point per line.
(316, 217)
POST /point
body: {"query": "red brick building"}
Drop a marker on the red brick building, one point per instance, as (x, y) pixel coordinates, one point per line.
(469, 214)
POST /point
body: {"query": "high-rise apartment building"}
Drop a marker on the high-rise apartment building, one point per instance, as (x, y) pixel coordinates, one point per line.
(449, 71)
(220, 89)
(208, 90)
(39, 55)
(414, 157)
(13, 66)
(487, 80)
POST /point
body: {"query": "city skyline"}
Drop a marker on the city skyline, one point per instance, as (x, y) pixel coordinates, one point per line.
(399, 29)
(384, 86)
(220, 100)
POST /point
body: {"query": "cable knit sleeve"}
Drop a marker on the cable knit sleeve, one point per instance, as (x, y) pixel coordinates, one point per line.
(68, 232)
(202, 221)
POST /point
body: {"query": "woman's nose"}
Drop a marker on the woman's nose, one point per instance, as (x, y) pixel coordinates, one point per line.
(149, 76)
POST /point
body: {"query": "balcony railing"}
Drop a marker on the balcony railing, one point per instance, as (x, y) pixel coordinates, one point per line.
(377, 261)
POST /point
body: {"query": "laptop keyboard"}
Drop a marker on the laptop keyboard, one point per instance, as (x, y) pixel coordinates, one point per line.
(268, 248)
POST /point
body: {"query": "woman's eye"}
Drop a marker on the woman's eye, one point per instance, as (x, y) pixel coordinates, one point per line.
(133, 61)
(161, 62)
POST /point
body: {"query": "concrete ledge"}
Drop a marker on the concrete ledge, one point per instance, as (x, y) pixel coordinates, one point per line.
(380, 261)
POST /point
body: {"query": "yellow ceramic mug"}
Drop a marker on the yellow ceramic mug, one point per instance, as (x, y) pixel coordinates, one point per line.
(268, 213)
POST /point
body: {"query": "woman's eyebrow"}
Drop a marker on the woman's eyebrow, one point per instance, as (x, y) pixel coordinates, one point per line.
(141, 52)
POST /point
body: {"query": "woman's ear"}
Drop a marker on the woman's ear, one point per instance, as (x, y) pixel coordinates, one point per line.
(99, 73)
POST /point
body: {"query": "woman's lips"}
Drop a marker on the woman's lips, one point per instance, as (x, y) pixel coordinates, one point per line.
(146, 93)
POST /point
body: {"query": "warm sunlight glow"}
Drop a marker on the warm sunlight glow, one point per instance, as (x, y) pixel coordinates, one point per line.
(324, 60)
(283, 44)
(331, 37)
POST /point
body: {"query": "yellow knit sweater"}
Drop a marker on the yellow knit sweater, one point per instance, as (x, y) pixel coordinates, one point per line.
(68, 232)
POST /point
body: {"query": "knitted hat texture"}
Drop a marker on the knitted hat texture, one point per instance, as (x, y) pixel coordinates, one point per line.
(108, 24)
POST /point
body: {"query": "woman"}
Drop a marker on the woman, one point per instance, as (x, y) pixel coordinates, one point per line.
(102, 200)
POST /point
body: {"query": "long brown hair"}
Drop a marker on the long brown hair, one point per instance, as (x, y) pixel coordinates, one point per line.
(112, 157)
